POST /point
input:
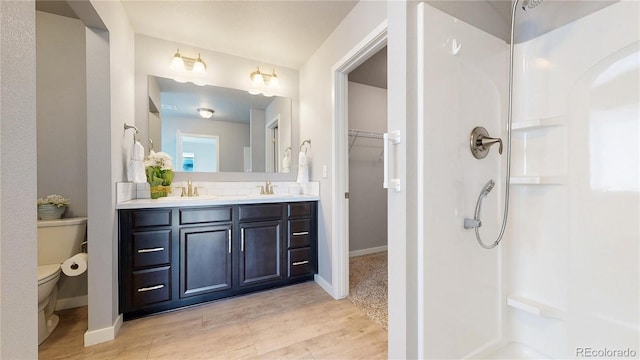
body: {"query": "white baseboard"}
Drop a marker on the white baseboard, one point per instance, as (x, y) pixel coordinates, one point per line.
(102, 335)
(325, 286)
(368, 251)
(72, 302)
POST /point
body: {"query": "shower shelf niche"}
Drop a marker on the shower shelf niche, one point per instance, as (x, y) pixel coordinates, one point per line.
(538, 123)
(537, 180)
(534, 307)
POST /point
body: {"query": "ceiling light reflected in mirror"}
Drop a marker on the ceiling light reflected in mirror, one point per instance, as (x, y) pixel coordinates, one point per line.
(205, 113)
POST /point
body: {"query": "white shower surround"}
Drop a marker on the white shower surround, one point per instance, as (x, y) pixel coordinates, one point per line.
(571, 248)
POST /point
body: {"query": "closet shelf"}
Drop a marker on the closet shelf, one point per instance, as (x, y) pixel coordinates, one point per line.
(538, 180)
(537, 123)
(534, 307)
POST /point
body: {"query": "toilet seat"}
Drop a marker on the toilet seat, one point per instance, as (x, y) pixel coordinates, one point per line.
(47, 272)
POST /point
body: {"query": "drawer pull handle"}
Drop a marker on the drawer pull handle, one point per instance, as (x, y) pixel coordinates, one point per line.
(242, 240)
(300, 263)
(142, 251)
(300, 233)
(229, 241)
(150, 288)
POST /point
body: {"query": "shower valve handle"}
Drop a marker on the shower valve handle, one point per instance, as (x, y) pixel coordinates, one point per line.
(488, 141)
(480, 142)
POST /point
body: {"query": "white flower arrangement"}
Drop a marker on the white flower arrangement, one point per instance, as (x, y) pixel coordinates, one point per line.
(54, 199)
(159, 159)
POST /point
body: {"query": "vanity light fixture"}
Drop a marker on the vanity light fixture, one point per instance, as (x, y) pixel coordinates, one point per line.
(263, 83)
(205, 113)
(182, 63)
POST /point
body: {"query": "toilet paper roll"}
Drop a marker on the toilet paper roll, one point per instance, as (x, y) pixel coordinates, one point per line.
(75, 265)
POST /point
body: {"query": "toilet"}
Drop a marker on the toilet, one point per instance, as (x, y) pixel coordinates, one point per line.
(58, 240)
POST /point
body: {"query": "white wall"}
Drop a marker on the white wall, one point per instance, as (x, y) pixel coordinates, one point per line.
(367, 198)
(61, 121)
(462, 304)
(316, 111)
(233, 138)
(573, 246)
(18, 171)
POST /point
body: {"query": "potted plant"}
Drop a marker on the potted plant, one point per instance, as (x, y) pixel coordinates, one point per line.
(52, 207)
(159, 171)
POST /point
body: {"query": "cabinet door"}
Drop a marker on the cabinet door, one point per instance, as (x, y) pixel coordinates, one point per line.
(260, 253)
(205, 260)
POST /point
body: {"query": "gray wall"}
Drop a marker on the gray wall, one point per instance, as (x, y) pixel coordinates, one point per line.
(61, 110)
(233, 137)
(18, 171)
(257, 140)
(155, 121)
(61, 121)
(367, 198)
(280, 107)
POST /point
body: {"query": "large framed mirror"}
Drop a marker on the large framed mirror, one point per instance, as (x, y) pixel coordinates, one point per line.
(241, 133)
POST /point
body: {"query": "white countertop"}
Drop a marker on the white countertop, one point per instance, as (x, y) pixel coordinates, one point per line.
(176, 201)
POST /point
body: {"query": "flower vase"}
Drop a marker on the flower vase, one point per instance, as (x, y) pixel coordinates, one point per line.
(50, 212)
(159, 191)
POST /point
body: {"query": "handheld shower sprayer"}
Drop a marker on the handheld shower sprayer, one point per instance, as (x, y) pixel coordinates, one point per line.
(486, 189)
(475, 223)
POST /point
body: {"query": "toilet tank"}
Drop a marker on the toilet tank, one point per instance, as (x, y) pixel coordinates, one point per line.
(60, 239)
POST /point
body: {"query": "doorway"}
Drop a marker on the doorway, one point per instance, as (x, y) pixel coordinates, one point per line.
(367, 122)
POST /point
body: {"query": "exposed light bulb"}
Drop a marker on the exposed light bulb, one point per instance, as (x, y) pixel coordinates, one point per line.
(177, 64)
(254, 91)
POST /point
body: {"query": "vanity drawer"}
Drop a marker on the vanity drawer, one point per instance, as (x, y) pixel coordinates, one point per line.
(150, 286)
(299, 262)
(144, 218)
(299, 233)
(260, 212)
(151, 248)
(205, 215)
(299, 209)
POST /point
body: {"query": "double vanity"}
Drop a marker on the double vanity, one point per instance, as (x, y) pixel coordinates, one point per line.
(176, 252)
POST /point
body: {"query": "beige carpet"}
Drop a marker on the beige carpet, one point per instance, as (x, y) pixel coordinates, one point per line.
(368, 285)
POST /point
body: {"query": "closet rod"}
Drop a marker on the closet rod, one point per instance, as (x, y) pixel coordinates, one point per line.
(365, 134)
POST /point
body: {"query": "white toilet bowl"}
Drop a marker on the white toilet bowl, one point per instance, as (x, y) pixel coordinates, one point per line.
(48, 276)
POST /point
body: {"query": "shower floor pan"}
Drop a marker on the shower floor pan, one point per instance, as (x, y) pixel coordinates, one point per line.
(513, 350)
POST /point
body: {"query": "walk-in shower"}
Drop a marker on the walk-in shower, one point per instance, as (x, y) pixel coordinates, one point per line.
(564, 281)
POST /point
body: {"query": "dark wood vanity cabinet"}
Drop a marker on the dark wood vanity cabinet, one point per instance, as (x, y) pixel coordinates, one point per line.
(205, 260)
(301, 233)
(174, 257)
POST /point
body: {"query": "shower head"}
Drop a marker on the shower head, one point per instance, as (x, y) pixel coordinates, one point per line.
(486, 189)
(530, 4)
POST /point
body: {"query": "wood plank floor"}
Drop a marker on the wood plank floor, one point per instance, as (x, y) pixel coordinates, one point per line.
(295, 322)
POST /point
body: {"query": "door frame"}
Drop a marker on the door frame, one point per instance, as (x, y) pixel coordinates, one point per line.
(368, 46)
